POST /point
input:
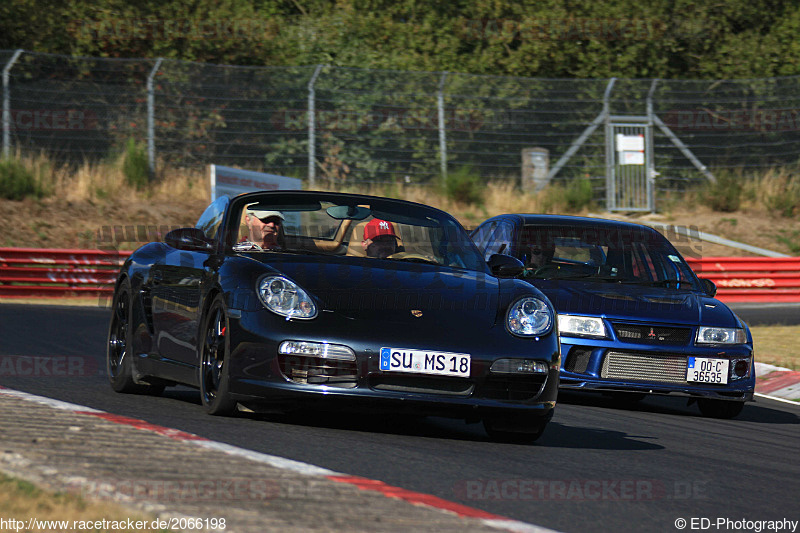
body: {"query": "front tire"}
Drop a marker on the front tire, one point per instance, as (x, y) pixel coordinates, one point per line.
(215, 361)
(719, 408)
(119, 356)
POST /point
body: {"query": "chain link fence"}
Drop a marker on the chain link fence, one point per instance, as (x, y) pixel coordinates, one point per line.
(356, 126)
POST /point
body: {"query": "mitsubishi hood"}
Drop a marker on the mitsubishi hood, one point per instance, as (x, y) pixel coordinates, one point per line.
(637, 302)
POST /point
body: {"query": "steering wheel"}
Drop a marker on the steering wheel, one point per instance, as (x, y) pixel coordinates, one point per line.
(542, 271)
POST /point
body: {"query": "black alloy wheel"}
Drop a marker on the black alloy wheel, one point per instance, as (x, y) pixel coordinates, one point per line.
(214, 361)
(119, 364)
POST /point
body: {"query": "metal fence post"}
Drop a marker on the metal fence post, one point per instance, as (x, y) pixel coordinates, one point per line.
(611, 191)
(7, 104)
(312, 138)
(649, 148)
(151, 128)
(442, 131)
(577, 143)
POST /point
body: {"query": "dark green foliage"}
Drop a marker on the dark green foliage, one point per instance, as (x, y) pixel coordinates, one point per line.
(726, 194)
(16, 181)
(466, 186)
(578, 195)
(578, 39)
(135, 166)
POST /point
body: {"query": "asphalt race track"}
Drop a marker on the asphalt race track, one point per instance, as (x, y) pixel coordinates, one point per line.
(600, 465)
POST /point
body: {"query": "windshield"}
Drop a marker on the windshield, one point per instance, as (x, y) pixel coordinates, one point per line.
(613, 255)
(361, 227)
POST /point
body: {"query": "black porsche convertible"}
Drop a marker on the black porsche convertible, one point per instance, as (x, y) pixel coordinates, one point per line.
(283, 300)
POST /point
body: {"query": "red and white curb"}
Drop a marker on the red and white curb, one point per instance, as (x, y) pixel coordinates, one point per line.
(416, 498)
(777, 383)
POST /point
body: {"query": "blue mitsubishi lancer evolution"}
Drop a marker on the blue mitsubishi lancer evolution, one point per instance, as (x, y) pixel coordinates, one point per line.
(633, 317)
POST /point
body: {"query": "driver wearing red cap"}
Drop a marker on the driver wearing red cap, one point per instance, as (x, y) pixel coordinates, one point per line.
(380, 239)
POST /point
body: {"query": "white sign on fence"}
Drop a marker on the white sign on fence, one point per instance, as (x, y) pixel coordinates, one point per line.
(631, 149)
(233, 181)
(630, 143)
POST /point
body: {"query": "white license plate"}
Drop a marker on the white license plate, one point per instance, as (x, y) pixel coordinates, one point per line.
(707, 370)
(425, 362)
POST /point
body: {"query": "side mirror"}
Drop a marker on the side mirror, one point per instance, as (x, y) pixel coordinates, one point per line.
(505, 266)
(190, 239)
(709, 287)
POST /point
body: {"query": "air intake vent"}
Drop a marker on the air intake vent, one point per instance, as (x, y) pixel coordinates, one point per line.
(665, 368)
(513, 388)
(422, 384)
(577, 360)
(319, 371)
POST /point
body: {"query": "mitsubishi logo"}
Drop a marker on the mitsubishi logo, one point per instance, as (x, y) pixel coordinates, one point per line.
(652, 334)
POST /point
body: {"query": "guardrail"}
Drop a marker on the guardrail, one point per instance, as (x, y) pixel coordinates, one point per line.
(46, 273)
(40, 272)
(752, 279)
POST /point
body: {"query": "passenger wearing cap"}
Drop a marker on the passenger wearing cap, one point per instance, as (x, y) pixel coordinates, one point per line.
(380, 240)
(265, 228)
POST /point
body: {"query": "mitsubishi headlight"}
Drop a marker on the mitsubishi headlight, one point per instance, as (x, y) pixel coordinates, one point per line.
(284, 297)
(709, 335)
(583, 326)
(529, 316)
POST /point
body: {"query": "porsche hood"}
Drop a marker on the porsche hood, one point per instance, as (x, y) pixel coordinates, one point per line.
(361, 292)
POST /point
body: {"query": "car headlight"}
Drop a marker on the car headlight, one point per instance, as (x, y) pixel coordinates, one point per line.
(709, 335)
(584, 326)
(284, 297)
(529, 316)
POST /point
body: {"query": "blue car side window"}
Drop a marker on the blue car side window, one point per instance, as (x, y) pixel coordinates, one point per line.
(482, 234)
(500, 240)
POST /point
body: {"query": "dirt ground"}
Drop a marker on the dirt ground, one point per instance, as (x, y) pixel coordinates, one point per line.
(55, 223)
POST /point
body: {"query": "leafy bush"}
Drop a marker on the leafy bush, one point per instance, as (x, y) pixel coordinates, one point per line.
(725, 195)
(17, 181)
(135, 166)
(464, 185)
(567, 196)
(578, 195)
(783, 197)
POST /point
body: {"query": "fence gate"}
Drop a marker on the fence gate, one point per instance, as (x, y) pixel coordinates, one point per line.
(629, 164)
